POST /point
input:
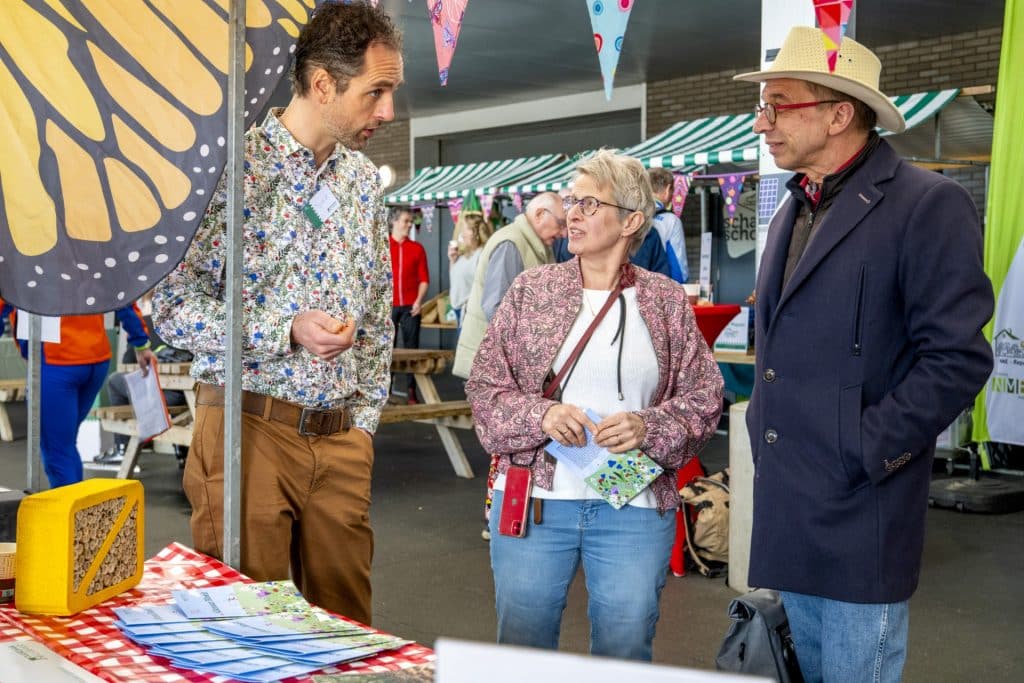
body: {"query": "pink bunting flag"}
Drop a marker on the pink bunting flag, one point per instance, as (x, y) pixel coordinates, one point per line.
(680, 189)
(426, 216)
(446, 20)
(608, 19)
(832, 17)
(454, 208)
(731, 185)
(486, 202)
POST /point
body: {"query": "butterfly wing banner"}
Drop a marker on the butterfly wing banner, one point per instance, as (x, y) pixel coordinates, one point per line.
(114, 118)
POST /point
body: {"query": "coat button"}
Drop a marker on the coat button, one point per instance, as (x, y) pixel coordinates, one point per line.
(771, 436)
(769, 375)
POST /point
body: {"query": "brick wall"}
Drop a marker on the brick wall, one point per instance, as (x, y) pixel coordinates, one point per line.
(960, 60)
(694, 97)
(390, 145)
(956, 61)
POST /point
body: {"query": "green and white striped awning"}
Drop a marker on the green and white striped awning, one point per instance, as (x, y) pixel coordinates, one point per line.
(438, 183)
(731, 139)
(922, 106)
(702, 142)
(684, 147)
(551, 179)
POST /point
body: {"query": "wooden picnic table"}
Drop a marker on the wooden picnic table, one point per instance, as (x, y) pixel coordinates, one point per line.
(421, 363)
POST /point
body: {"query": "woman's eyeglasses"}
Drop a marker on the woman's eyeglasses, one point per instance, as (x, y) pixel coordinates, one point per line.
(588, 205)
(771, 111)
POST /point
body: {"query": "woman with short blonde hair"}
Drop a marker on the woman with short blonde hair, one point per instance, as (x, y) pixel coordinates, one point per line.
(631, 374)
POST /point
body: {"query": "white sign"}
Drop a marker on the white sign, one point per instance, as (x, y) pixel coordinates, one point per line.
(705, 264)
(736, 335)
(51, 327)
(1004, 397)
(465, 662)
(741, 232)
(777, 18)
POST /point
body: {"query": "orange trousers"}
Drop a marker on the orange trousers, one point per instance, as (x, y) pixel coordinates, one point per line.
(305, 507)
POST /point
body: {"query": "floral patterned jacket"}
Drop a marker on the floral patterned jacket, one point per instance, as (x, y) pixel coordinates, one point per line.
(506, 383)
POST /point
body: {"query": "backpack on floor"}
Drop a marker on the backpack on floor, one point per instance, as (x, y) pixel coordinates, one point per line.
(707, 532)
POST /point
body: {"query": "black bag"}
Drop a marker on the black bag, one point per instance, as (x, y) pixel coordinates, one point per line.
(759, 641)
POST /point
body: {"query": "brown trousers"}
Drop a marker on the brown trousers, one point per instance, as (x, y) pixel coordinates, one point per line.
(305, 506)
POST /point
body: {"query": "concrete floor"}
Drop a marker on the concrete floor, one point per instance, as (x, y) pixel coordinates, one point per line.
(432, 573)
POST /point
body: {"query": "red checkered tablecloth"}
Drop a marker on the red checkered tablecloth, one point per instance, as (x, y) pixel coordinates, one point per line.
(90, 639)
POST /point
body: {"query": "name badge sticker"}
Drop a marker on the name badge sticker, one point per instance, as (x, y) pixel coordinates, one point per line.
(324, 204)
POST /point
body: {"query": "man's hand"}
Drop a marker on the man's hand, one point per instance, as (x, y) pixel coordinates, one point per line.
(416, 306)
(146, 360)
(322, 334)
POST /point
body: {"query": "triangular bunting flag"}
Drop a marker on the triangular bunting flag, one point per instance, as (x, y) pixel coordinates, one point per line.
(455, 208)
(731, 185)
(486, 203)
(680, 189)
(832, 16)
(427, 216)
(608, 18)
(446, 20)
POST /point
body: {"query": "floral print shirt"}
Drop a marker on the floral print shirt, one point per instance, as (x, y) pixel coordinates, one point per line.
(290, 265)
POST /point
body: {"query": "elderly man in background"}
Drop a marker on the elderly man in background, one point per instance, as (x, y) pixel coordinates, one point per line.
(524, 243)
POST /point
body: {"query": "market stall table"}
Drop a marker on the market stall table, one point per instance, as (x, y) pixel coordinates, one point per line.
(90, 639)
(712, 319)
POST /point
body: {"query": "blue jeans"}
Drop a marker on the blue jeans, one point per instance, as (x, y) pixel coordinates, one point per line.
(67, 393)
(846, 641)
(625, 557)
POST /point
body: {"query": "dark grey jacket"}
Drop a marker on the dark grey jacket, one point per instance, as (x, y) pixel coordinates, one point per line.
(872, 349)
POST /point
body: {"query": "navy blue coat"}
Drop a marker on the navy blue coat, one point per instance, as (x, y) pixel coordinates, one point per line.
(870, 351)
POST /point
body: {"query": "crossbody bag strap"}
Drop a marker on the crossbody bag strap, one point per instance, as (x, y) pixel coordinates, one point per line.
(570, 362)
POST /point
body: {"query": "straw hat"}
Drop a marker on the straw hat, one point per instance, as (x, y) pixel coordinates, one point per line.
(803, 57)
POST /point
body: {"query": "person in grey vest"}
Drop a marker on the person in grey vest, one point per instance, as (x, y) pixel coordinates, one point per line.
(871, 298)
(524, 243)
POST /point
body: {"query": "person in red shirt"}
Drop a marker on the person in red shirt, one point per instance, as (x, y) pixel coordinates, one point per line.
(410, 278)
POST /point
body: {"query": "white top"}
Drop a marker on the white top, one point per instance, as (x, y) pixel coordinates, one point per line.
(593, 383)
(461, 277)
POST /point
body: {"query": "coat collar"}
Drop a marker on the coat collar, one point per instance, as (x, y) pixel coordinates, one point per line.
(859, 197)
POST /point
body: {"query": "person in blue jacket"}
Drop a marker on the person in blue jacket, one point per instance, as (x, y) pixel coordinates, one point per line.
(871, 299)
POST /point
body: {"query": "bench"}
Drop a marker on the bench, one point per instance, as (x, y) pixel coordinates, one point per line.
(456, 414)
(121, 420)
(444, 415)
(10, 390)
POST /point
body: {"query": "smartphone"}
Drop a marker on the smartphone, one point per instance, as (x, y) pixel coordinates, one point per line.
(515, 502)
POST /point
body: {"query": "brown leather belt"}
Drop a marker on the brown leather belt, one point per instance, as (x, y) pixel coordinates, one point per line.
(309, 421)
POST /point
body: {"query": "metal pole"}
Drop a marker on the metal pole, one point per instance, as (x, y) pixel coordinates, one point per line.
(34, 470)
(232, 552)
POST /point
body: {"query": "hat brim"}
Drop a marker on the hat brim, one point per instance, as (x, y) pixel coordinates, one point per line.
(889, 116)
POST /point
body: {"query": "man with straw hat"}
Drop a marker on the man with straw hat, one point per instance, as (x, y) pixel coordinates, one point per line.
(871, 297)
